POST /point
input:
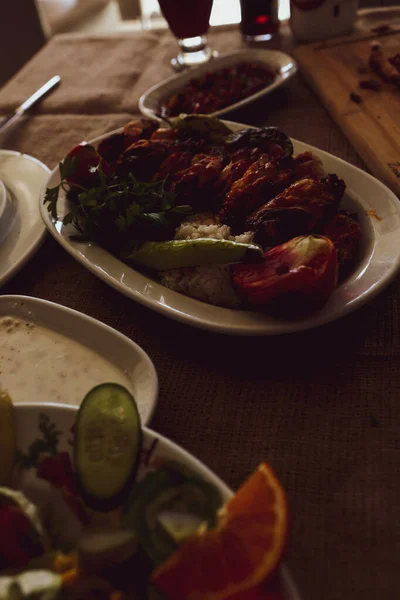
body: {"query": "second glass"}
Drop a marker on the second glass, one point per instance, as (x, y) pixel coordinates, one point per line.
(259, 19)
(189, 22)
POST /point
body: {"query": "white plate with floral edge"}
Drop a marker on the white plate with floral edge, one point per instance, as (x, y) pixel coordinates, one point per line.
(58, 354)
(282, 65)
(50, 427)
(378, 210)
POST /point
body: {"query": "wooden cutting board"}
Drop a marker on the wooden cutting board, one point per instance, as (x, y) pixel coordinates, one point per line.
(334, 70)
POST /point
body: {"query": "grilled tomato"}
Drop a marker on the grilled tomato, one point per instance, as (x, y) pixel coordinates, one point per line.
(83, 169)
(298, 275)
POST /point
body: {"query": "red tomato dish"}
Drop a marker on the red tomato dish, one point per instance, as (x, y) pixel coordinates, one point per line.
(218, 89)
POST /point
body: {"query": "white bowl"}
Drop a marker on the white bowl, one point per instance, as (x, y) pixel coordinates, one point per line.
(282, 64)
(113, 356)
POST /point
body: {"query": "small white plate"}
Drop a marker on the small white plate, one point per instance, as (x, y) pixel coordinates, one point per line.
(378, 210)
(108, 355)
(282, 64)
(157, 449)
(22, 231)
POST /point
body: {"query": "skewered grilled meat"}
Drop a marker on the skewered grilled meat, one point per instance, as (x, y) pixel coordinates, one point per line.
(382, 66)
(195, 185)
(144, 128)
(114, 145)
(164, 134)
(145, 157)
(261, 182)
(298, 210)
(174, 163)
(344, 231)
(240, 161)
(308, 165)
(142, 159)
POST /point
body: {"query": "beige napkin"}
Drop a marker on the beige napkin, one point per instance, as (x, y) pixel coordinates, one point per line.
(98, 74)
(101, 74)
(50, 137)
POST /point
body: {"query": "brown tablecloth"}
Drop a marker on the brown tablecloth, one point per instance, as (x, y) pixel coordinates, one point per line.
(321, 407)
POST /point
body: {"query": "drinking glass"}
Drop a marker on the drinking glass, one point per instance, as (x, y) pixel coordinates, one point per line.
(259, 19)
(189, 22)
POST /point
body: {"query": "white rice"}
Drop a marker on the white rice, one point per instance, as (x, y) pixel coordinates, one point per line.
(209, 283)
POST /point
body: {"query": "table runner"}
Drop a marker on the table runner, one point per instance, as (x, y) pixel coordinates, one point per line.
(320, 406)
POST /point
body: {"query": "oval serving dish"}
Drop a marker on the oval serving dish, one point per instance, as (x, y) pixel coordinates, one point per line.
(378, 211)
(283, 65)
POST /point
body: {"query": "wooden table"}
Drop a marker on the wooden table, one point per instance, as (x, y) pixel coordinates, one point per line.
(321, 406)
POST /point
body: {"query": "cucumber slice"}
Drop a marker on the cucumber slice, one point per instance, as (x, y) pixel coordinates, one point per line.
(176, 254)
(108, 439)
(170, 489)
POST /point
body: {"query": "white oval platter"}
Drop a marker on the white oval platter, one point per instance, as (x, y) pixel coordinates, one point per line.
(378, 210)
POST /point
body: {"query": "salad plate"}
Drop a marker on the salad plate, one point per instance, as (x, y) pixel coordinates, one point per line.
(378, 212)
(62, 353)
(34, 421)
(21, 228)
(280, 64)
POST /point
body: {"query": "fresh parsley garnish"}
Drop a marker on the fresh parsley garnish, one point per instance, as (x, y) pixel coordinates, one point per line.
(67, 167)
(51, 198)
(117, 212)
(46, 444)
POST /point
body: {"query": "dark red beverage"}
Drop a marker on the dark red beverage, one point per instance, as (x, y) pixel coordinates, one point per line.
(259, 18)
(187, 18)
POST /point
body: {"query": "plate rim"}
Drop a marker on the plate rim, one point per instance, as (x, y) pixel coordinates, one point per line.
(278, 82)
(61, 408)
(229, 327)
(377, 10)
(25, 256)
(55, 307)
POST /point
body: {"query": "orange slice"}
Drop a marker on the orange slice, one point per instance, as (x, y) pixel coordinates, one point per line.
(239, 554)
